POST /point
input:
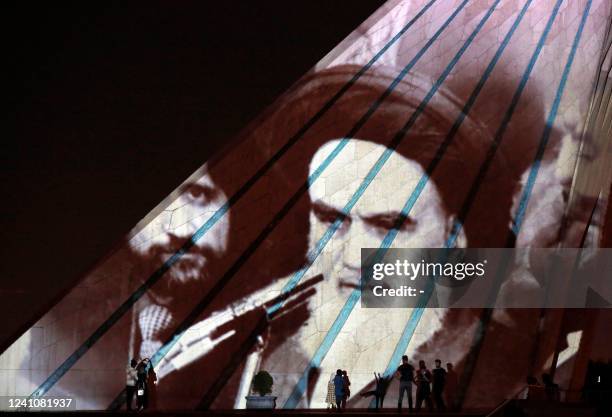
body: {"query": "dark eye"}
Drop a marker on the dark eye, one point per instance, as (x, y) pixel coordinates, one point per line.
(325, 213)
(201, 193)
(386, 222)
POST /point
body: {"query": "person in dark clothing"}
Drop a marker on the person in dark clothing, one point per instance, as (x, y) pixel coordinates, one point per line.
(346, 391)
(450, 388)
(142, 397)
(382, 383)
(339, 388)
(439, 381)
(423, 379)
(406, 374)
(130, 383)
(151, 387)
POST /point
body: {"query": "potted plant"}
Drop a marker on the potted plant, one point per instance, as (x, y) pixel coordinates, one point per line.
(262, 385)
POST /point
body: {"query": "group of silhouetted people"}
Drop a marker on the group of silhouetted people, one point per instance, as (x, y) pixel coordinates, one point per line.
(338, 390)
(140, 381)
(428, 384)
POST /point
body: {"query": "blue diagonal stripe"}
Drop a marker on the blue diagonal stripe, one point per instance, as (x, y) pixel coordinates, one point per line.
(314, 252)
(479, 335)
(417, 313)
(127, 304)
(533, 171)
(302, 190)
(243, 258)
(340, 320)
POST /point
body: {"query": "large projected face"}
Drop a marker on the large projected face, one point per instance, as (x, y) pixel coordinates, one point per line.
(188, 213)
(367, 338)
(376, 212)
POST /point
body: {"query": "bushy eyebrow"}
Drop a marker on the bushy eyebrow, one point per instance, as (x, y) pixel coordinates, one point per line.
(321, 208)
(399, 219)
(209, 193)
(389, 220)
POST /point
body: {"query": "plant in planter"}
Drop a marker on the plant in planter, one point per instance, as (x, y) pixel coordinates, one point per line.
(262, 385)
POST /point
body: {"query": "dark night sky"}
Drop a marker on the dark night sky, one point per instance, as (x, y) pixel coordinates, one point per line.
(116, 104)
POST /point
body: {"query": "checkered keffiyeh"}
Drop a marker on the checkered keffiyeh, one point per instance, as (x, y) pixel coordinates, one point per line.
(153, 320)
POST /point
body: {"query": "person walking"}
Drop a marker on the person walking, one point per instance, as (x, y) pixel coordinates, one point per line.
(131, 377)
(406, 376)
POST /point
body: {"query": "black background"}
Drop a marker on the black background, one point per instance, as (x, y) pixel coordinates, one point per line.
(115, 104)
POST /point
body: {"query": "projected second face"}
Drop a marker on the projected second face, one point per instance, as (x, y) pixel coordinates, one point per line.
(188, 213)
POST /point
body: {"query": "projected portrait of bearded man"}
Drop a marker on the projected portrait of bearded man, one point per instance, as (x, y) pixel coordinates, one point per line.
(180, 356)
(186, 280)
(334, 165)
(309, 189)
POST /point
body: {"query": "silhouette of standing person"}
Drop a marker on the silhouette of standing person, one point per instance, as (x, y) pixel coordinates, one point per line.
(141, 385)
(131, 376)
(439, 381)
(151, 387)
(423, 379)
(381, 389)
(339, 388)
(451, 385)
(406, 374)
(382, 383)
(346, 391)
